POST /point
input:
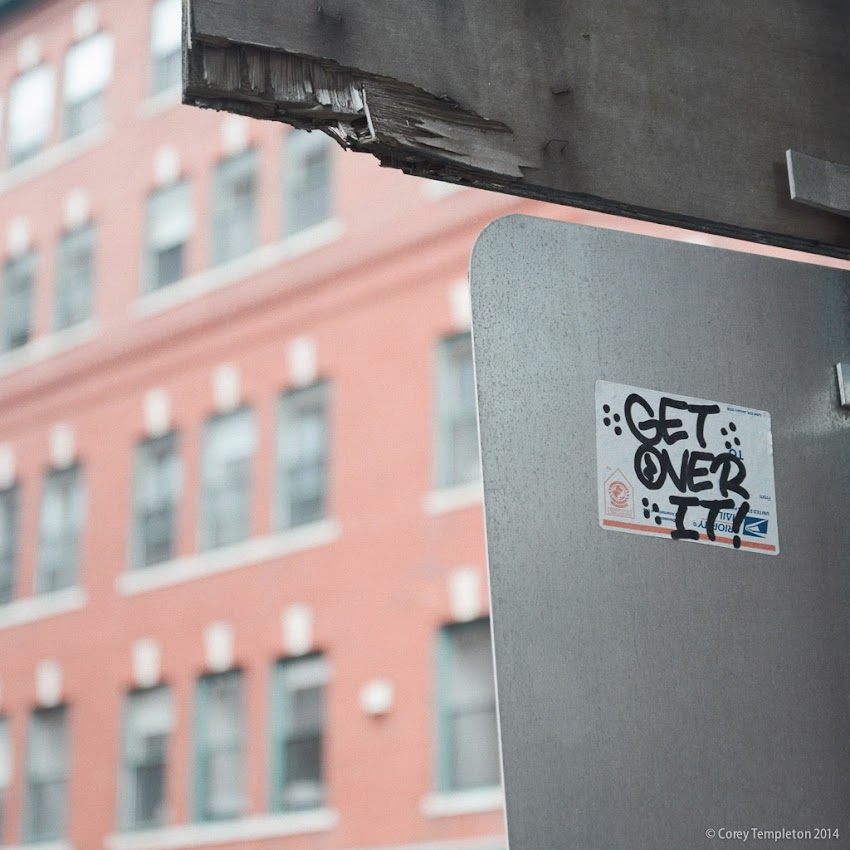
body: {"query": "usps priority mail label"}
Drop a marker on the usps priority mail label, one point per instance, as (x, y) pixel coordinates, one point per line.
(685, 469)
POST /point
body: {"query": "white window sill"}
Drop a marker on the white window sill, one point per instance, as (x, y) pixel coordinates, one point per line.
(161, 102)
(33, 608)
(257, 261)
(43, 347)
(448, 499)
(448, 803)
(42, 845)
(245, 829)
(52, 157)
(254, 551)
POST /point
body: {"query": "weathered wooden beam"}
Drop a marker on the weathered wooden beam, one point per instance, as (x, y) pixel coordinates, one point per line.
(673, 113)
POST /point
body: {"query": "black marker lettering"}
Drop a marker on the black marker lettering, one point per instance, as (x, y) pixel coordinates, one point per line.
(726, 484)
(683, 503)
(695, 471)
(666, 425)
(714, 507)
(703, 411)
(638, 429)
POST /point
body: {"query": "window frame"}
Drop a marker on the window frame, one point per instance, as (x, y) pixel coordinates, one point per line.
(202, 750)
(159, 60)
(299, 147)
(30, 831)
(24, 265)
(183, 189)
(293, 404)
(12, 493)
(227, 172)
(450, 415)
(17, 156)
(71, 241)
(128, 780)
(278, 725)
(205, 539)
(74, 471)
(96, 99)
(446, 757)
(171, 439)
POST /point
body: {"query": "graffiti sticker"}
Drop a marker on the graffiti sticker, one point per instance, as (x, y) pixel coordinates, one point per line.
(685, 469)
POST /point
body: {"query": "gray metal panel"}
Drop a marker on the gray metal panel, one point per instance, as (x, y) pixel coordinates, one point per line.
(675, 112)
(649, 689)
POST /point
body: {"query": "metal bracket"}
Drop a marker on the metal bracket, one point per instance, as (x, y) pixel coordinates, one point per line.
(818, 182)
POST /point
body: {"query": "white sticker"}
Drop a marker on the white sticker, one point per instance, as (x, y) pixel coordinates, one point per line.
(685, 469)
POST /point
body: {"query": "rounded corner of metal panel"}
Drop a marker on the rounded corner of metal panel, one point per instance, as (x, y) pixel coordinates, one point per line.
(496, 229)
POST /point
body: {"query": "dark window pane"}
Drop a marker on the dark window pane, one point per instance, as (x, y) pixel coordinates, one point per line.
(469, 709)
(74, 276)
(18, 278)
(308, 179)
(87, 72)
(165, 45)
(169, 266)
(61, 523)
(149, 721)
(84, 115)
(47, 772)
(167, 71)
(474, 734)
(169, 224)
(302, 449)
(229, 443)
(221, 753)
(148, 803)
(8, 542)
(157, 495)
(300, 745)
(458, 429)
(235, 207)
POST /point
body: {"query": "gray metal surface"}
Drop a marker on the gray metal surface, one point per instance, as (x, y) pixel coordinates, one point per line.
(678, 112)
(650, 690)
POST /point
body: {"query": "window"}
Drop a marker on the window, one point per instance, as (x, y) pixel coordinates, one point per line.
(6, 762)
(235, 207)
(166, 31)
(30, 113)
(158, 479)
(457, 438)
(149, 719)
(8, 542)
(302, 455)
(47, 775)
(469, 752)
(307, 173)
(62, 512)
(169, 229)
(220, 747)
(229, 442)
(75, 272)
(298, 721)
(18, 280)
(88, 70)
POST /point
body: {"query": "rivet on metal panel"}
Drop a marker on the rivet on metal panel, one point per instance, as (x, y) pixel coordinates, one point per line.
(843, 372)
